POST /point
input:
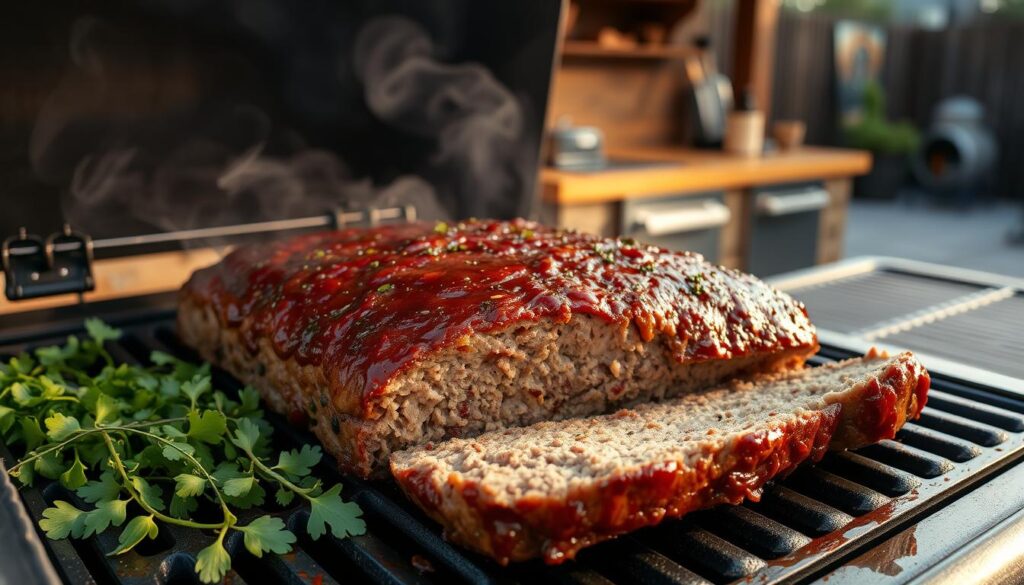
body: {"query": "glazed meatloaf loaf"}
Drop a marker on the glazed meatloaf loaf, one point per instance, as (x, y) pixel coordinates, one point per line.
(389, 337)
(553, 488)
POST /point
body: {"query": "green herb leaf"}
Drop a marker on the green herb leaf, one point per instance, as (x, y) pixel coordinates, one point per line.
(160, 358)
(284, 496)
(7, 417)
(108, 409)
(31, 434)
(187, 485)
(60, 427)
(208, 427)
(100, 332)
(249, 400)
(62, 520)
(196, 387)
(106, 488)
(183, 507)
(150, 494)
(140, 527)
(239, 487)
(106, 514)
(23, 396)
(74, 477)
(177, 451)
(344, 518)
(213, 562)
(51, 465)
(246, 435)
(299, 462)
(267, 534)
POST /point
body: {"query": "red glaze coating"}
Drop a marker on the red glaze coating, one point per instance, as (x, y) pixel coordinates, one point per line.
(887, 402)
(669, 489)
(364, 304)
(557, 528)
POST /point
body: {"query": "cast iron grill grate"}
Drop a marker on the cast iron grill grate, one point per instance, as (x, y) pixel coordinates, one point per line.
(803, 525)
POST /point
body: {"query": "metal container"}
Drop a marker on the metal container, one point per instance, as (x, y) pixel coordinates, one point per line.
(784, 224)
(685, 222)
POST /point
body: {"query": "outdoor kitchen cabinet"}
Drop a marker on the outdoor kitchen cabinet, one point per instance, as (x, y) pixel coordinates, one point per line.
(603, 202)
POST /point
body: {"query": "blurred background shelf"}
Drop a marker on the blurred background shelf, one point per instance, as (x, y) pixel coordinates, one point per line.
(591, 49)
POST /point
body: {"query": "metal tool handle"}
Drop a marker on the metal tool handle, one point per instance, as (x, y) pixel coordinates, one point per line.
(689, 218)
(780, 203)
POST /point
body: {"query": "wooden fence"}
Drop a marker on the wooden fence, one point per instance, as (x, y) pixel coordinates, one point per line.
(983, 60)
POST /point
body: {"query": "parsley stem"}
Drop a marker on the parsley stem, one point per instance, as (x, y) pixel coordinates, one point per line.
(119, 466)
(229, 518)
(74, 437)
(269, 472)
(85, 432)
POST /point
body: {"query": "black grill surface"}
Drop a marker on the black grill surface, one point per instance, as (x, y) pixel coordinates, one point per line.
(804, 526)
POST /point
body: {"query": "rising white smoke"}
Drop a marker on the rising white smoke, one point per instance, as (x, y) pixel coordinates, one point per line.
(159, 156)
(477, 122)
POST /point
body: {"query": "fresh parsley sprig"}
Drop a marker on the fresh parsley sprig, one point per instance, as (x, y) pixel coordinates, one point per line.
(155, 442)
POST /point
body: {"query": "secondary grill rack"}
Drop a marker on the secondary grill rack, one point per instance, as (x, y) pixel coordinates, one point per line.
(956, 319)
(804, 526)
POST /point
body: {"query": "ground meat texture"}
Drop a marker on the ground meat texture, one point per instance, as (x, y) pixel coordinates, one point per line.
(555, 487)
(390, 337)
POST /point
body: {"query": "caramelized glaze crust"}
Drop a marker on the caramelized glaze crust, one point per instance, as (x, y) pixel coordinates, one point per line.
(554, 488)
(327, 324)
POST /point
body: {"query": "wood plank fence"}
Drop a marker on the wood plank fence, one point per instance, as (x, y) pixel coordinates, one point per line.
(983, 59)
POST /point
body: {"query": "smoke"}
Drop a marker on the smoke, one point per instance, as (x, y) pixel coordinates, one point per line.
(142, 135)
(477, 122)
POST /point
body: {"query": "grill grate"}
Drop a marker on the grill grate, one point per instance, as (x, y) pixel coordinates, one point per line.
(852, 303)
(988, 337)
(949, 315)
(803, 526)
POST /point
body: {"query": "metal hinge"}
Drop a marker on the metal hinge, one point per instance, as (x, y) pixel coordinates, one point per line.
(62, 263)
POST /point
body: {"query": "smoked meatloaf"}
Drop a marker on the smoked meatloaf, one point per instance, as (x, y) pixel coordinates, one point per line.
(390, 337)
(555, 487)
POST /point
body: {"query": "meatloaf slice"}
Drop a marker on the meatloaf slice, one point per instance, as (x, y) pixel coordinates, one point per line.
(555, 487)
(390, 337)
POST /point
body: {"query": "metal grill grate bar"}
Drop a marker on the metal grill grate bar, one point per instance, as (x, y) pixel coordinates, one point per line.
(961, 427)
(635, 562)
(990, 415)
(806, 514)
(845, 495)
(758, 534)
(709, 555)
(871, 473)
(920, 463)
(938, 443)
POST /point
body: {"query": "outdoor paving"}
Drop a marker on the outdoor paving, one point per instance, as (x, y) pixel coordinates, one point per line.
(977, 238)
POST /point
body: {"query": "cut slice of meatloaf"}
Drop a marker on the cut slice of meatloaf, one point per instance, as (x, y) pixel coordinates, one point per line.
(390, 337)
(555, 487)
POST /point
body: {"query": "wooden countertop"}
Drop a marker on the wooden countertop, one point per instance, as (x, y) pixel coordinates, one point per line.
(698, 170)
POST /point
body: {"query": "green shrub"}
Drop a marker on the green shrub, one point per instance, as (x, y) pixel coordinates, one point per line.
(876, 134)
